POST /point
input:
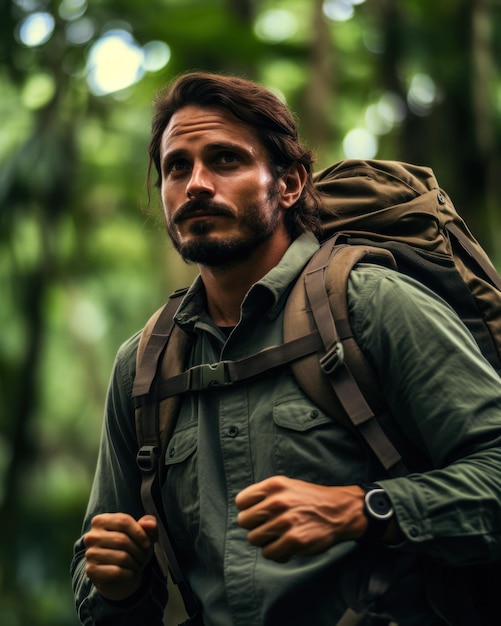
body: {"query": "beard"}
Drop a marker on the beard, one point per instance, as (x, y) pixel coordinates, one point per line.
(256, 225)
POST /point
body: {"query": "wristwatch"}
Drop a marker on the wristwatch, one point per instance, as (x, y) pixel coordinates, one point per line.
(379, 512)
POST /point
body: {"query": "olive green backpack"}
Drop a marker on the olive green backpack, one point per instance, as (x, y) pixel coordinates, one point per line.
(383, 212)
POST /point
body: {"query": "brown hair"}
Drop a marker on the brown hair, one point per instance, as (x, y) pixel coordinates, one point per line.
(272, 121)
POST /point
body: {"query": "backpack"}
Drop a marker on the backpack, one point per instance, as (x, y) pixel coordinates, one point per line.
(383, 212)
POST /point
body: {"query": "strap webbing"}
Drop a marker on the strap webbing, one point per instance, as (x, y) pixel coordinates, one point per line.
(342, 380)
(150, 458)
(224, 373)
(467, 245)
(156, 343)
(164, 551)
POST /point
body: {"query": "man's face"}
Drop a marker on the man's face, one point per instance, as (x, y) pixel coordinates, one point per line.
(219, 197)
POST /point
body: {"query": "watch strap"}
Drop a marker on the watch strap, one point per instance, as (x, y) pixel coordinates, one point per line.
(377, 525)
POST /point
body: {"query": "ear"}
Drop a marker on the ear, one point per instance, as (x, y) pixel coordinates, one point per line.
(291, 185)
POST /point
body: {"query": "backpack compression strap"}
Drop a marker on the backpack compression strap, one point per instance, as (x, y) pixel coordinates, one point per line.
(475, 253)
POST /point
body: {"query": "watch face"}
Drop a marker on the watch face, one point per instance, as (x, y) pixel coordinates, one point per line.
(378, 504)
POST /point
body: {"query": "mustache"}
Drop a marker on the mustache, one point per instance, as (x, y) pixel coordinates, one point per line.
(198, 206)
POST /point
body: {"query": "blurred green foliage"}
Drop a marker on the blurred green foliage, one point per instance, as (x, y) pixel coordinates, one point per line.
(82, 265)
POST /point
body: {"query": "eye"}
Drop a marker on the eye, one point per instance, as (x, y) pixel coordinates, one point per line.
(176, 165)
(227, 158)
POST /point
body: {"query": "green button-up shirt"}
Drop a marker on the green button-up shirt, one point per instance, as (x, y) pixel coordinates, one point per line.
(443, 396)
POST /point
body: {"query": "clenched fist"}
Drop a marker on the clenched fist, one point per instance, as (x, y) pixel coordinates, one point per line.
(285, 516)
(118, 549)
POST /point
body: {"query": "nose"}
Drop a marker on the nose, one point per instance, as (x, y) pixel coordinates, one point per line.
(200, 182)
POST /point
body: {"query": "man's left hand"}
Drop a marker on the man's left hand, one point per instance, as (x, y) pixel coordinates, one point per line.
(285, 516)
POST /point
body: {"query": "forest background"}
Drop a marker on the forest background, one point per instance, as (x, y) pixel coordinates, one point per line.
(82, 265)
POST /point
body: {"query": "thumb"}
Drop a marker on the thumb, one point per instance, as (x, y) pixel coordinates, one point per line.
(150, 526)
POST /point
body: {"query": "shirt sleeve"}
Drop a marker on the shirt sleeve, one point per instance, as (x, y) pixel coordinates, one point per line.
(446, 398)
(116, 488)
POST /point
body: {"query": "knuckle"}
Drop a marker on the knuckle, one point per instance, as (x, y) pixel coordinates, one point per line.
(93, 571)
(278, 482)
(111, 520)
(89, 539)
(122, 520)
(122, 559)
(98, 521)
(275, 504)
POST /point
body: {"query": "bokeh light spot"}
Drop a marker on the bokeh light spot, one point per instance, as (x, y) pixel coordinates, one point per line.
(115, 62)
(36, 29)
(38, 90)
(156, 55)
(276, 25)
(80, 32)
(359, 143)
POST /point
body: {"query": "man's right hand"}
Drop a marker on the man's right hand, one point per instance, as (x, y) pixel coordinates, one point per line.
(118, 549)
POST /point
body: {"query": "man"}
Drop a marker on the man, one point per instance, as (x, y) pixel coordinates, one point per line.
(265, 495)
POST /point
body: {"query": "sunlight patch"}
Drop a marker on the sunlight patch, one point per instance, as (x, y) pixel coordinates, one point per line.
(36, 29)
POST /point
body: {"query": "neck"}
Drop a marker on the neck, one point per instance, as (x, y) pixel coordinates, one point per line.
(226, 287)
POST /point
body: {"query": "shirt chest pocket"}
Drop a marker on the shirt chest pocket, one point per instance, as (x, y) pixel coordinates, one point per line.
(296, 414)
(313, 446)
(182, 445)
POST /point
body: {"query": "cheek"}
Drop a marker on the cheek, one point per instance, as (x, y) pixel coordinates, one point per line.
(166, 202)
(259, 188)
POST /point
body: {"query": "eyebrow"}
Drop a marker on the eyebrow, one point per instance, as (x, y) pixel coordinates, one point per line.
(228, 145)
(211, 147)
(167, 155)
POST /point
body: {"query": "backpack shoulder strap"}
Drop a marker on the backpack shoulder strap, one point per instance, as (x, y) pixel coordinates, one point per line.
(336, 380)
(152, 343)
(159, 334)
(162, 351)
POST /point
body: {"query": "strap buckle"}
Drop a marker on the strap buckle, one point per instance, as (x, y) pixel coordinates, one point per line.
(332, 359)
(147, 459)
(208, 375)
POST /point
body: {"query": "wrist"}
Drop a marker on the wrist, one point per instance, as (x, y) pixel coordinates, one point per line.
(379, 514)
(126, 594)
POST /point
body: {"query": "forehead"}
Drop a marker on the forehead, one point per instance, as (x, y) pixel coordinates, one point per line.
(193, 124)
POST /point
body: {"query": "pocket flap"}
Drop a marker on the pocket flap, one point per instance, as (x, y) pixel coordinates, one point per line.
(182, 445)
(298, 414)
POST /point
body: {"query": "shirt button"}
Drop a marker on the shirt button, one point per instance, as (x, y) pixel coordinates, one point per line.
(413, 531)
(172, 451)
(314, 414)
(232, 431)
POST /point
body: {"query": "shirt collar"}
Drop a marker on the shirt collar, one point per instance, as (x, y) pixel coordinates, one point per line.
(269, 292)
